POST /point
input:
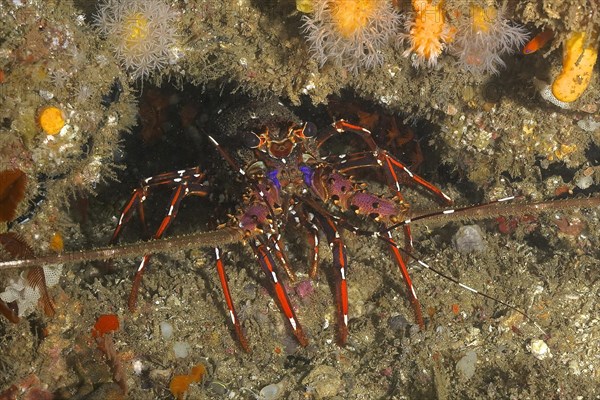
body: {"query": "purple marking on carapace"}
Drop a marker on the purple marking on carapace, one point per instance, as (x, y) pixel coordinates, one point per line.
(307, 174)
(369, 203)
(254, 216)
(272, 175)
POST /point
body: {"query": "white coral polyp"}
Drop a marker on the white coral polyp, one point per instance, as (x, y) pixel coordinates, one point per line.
(141, 31)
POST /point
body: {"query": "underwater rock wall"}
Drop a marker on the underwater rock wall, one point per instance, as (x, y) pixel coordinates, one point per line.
(71, 74)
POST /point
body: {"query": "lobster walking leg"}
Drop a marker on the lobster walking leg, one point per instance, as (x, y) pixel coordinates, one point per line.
(340, 266)
(266, 261)
(313, 240)
(229, 301)
(193, 176)
(388, 161)
(404, 271)
(186, 182)
(277, 245)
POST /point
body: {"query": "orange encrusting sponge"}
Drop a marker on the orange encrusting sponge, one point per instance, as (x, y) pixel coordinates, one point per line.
(104, 324)
(51, 119)
(180, 383)
(577, 69)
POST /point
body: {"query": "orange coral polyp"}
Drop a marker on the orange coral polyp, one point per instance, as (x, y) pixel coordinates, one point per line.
(483, 18)
(351, 16)
(51, 119)
(136, 29)
(428, 32)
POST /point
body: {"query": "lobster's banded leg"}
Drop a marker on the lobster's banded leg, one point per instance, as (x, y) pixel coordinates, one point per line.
(404, 271)
(278, 246)
(340, 266)
(391, 162)
(306, 219)
(228, 299)
(313, 240)
(171, 213)
(193, 176)
(182, 190)
(385, 237)
(388, 162)
(135, 201)
(267, 263)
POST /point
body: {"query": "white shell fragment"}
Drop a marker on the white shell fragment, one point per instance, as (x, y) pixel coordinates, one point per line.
(539, 349)
(273, 391)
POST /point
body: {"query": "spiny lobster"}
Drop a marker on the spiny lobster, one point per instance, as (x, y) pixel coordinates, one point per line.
(289, 183)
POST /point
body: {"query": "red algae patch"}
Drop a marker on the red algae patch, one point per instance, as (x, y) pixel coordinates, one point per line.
(12, 191)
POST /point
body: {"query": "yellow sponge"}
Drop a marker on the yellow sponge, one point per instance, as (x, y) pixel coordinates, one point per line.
(578, 65)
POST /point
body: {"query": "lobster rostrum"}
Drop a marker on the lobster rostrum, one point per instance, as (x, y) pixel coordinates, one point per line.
(290, 183)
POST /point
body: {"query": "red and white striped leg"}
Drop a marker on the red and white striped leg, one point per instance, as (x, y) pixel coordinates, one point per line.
(340, 267)
(267, 263)
(186, 182)
(228, 299)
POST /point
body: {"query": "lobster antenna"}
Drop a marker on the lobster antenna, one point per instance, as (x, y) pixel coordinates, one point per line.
(462, 285)
(482, 211)
(185, 242)
(497, 208)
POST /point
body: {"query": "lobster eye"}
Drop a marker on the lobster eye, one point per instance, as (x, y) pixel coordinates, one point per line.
(310, 130)
(251, 140)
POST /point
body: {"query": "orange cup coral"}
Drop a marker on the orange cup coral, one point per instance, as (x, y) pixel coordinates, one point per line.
(578, 65)
(352, 34)
(428, 33)
(142, 33)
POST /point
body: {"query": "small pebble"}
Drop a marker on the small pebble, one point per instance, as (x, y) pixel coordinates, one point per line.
(398, 323)
(325, 380)
(218, 388)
